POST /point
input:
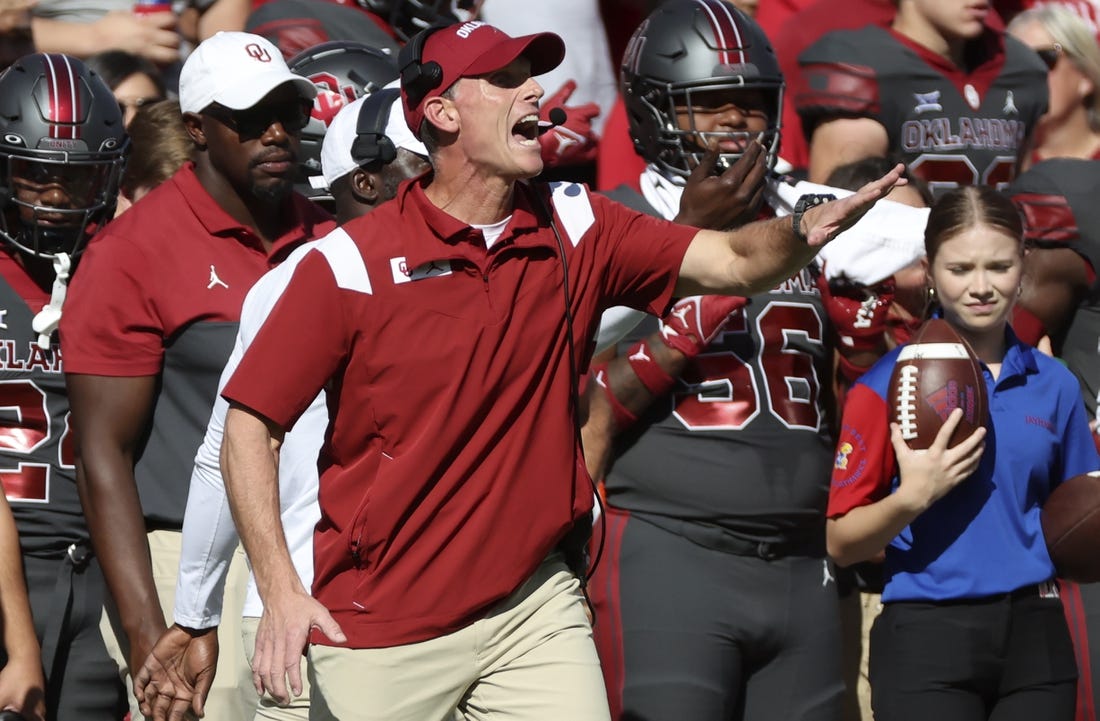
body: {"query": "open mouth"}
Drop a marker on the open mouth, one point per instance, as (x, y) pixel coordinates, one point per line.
(526, 131)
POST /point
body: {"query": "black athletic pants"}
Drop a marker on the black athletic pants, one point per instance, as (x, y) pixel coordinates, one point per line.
(1006, 658)
(690, 633)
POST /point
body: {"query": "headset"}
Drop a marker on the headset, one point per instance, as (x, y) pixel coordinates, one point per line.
(372, 145)
(417, 77)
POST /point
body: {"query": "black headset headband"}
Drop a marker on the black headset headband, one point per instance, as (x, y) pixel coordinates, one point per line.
(371, 142)
(417, 77)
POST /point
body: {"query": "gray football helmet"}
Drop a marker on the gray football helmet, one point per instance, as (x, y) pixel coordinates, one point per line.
(343, 72)
(408, 17)
(687, 47)
(62, 138)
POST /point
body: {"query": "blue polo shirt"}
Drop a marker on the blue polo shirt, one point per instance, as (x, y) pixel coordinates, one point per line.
(984, 537)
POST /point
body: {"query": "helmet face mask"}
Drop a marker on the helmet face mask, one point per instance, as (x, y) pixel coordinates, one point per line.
(343, 72)
(692, 49)
(62, 150)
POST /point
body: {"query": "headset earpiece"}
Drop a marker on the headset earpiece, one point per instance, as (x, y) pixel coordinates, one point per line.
(417, 77)
(371, 142)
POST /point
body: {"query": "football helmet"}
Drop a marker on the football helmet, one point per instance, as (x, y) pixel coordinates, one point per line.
(62, 140)
(343, 71)
(687, 47)
(408, 17)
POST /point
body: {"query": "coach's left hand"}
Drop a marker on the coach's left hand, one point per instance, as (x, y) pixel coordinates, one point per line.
(281, 638)
(825, 222)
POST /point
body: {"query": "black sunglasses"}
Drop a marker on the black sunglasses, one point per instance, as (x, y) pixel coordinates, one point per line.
(254, 122)
(1050, 55)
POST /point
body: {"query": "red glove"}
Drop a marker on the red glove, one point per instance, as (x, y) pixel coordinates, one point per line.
(574, 141)
(857, 311)
(696, 320)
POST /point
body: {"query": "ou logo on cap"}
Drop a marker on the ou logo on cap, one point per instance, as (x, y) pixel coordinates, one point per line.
(255, 51)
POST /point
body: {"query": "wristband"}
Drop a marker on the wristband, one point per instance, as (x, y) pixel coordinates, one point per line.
(621, 415)
(649, 372)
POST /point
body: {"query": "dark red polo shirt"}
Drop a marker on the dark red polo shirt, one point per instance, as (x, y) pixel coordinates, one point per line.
(451, 469)
(159, 292)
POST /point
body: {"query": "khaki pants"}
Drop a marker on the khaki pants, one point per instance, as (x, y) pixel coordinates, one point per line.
(232, 696)
(269, 708)
(530, 659)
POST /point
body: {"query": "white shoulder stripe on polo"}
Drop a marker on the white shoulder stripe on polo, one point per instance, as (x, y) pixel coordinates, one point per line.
(933, 351)
(574, 208)
(346, 262)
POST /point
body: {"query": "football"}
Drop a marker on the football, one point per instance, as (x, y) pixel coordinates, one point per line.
(1071, 527)
(934, 374)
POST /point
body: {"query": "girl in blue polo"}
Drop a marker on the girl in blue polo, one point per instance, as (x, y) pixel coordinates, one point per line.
(972, 626)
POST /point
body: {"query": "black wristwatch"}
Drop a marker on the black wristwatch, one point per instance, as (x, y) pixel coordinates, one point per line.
(807, 201)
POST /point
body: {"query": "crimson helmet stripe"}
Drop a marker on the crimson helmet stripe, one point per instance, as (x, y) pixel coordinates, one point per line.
(64, 109)
(726, 32)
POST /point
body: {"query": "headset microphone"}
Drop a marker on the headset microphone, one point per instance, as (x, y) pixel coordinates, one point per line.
(557, 116)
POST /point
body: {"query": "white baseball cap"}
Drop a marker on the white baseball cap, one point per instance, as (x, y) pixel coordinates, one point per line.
(336, 158)
(235, 70)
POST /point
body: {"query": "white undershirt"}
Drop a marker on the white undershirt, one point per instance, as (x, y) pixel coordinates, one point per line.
(492, 232)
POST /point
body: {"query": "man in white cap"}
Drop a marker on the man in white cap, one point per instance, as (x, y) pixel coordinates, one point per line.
(151, 325)
(456, 321)
(359, 181)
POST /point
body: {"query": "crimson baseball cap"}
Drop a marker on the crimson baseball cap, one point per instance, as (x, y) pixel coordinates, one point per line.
(475, 48)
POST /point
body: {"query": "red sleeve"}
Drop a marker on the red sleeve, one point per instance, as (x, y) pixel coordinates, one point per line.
(864, 465)
(617, 163)
(304, 340)
(643, 255)
(110, 325)
(829, 85)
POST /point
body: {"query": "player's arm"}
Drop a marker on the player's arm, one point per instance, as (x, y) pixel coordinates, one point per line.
(924, 477)
(179, 671)
(623, 387)
(151, 36)
(758, 256)
(845, 140)
(249, 456)
(1055, 281)
(109, 415)
(22, 686)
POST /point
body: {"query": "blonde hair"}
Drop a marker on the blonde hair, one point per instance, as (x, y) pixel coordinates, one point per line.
(1078, 42)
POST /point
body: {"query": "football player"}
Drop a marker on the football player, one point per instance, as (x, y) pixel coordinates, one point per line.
(62, 148)
(721, 470)
(954, 98)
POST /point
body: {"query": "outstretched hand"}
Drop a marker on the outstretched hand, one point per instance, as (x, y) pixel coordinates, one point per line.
(177, 675)
(825, 222)
(727, 200)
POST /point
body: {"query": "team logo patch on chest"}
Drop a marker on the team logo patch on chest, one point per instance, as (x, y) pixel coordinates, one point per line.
(927, 102)
(432, 269)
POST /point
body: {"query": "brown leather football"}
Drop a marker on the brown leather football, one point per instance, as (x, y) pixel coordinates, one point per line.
(1071, 526)
(934, 374)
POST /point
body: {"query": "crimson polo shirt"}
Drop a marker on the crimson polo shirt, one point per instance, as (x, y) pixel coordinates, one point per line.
(451, 468)
(159, 292)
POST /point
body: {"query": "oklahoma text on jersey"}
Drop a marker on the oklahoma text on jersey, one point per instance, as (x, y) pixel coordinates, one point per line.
(48, 361)
(933, 134)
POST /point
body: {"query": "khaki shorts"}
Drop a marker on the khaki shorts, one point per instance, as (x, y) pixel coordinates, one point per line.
(530, 659)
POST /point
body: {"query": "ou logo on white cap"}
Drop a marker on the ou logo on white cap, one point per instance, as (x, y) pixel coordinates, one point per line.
(254, 50)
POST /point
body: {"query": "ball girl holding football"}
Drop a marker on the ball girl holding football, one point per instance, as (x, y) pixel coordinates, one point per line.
(972, 626)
